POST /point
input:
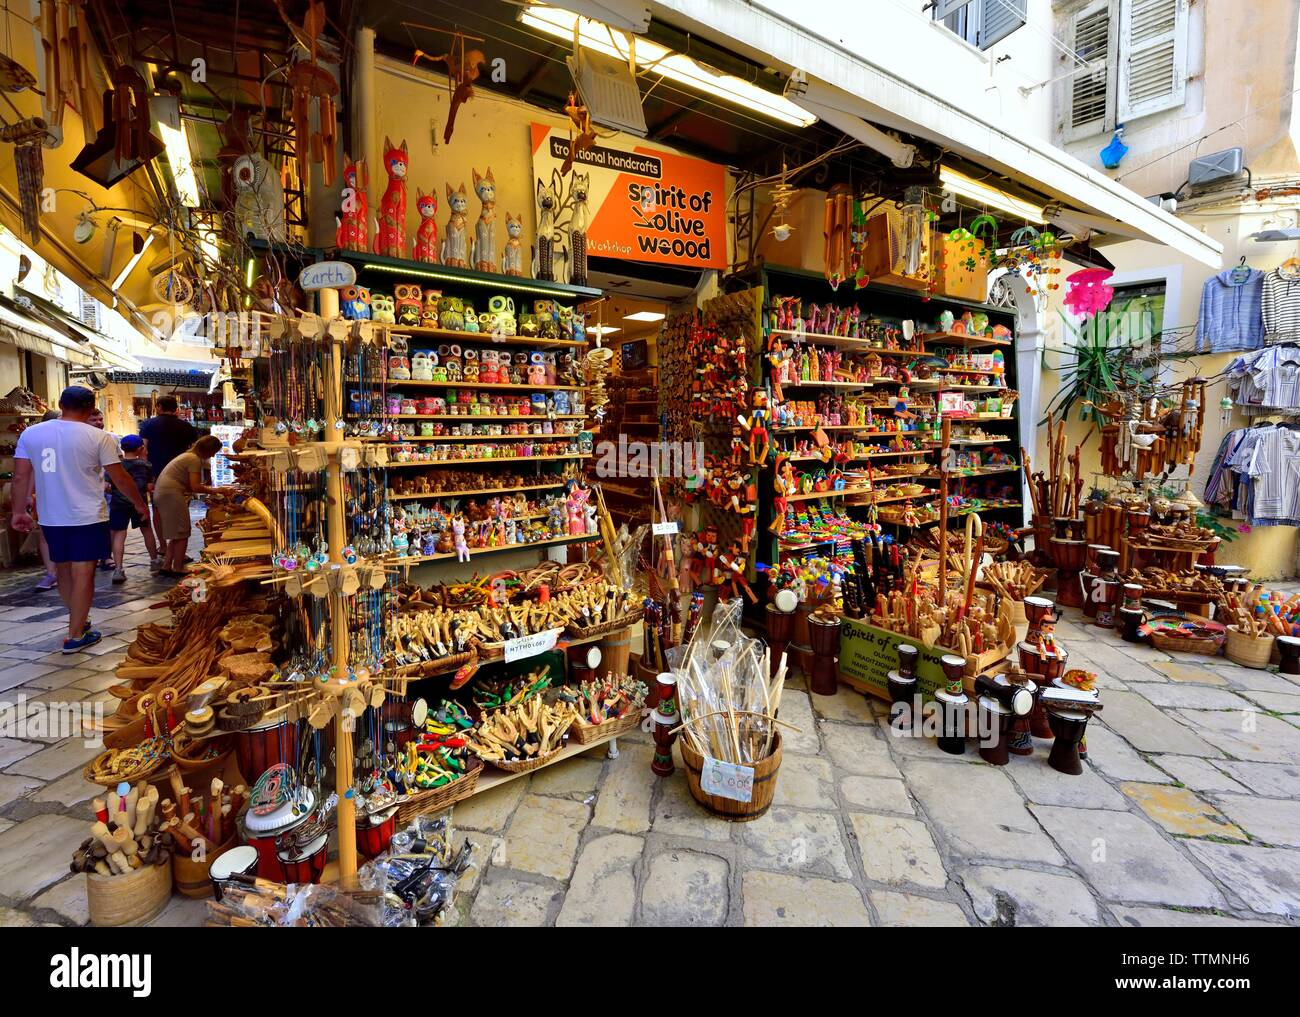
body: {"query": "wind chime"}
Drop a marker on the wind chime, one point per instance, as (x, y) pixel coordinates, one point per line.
(836, 229)
(782, 194)
(1145, 436)
(28, 137)
(312, 83)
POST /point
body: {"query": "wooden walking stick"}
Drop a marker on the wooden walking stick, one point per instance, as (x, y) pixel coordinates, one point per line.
(945, 442)
(674, 591)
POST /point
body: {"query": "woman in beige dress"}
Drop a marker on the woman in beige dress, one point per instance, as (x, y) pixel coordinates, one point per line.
(179, 481)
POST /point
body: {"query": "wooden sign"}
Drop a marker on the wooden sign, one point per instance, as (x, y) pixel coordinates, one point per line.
(868, 654)
(327, 275)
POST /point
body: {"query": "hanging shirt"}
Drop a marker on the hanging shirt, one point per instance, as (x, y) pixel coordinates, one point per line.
(1230, 317)
(1272, 460)
(1280, 306)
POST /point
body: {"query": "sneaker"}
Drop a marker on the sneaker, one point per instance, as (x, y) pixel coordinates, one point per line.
(106, 564)
(48, 583)
(89, 639)
(119, 575)
(155, 564)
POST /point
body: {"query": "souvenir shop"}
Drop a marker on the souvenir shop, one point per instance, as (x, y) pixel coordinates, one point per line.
(548, 433)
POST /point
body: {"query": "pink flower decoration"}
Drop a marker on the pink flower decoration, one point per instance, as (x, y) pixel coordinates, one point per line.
(1087, 293)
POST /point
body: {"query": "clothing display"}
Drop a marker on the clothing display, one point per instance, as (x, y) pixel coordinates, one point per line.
(1266, 382)
(1230, 316)
(1280, 305)
(67, 460)
(1256, 475)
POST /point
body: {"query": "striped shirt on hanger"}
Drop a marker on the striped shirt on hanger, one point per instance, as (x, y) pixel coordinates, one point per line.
(1280, 306)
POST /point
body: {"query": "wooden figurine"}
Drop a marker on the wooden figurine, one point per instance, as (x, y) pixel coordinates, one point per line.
(391, 240)
(353, 233)
(578, 223)
(426, 234)
(512, 258)
(455, 245)
(485, 230)
(547, 202)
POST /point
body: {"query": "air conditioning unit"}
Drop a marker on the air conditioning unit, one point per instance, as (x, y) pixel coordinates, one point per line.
(1213, 172)
(609, 90)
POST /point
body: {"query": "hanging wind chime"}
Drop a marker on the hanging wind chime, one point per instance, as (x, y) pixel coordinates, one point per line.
(312, 83)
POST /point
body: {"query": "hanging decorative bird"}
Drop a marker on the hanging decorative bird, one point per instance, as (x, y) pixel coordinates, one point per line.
(1113, 154)
(782, 195)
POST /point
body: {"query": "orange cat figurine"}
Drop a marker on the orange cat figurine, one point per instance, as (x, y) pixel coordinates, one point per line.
(426, 235)
(353, 233)
(390, 240)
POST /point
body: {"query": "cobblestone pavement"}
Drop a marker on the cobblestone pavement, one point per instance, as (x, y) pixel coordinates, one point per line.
(1188, 811)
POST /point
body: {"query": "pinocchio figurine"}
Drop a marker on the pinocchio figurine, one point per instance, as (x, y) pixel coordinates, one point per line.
(663, 724)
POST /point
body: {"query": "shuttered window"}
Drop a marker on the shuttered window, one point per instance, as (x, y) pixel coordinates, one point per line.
(1153, 57)
(982, 23)
(1137, 51)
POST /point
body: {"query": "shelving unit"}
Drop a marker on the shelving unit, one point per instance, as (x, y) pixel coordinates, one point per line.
(892, 305)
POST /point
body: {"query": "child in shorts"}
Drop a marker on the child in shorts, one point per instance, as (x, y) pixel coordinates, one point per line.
(120, 512)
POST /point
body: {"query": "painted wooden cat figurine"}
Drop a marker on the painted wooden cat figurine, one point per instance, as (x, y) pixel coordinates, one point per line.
(456, 242)
(547, 203)
(426, 234)
(512, 258)
(579, 221)
(353, 233)
(391, 238)
(485, 230)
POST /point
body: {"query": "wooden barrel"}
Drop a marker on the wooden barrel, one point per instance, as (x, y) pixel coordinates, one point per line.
(739, 812)
(615, 652)
(192, 877)
(132, 898)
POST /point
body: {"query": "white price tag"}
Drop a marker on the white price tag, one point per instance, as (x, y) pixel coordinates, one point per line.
(727, 780)
(524, 647)
(664, 529)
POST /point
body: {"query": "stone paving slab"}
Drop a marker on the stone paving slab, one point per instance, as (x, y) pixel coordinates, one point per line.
(908, 909)
(1247, 735)
(777, 900)
(686, 889)
(1270, 820)
(1272, 780)
(1125, 859)
(897, 851)
(603, 889)
(1180, 812)
(1196, 773)
(1009, 898)
(1148, 729)
(796, 840)
(1266, 879)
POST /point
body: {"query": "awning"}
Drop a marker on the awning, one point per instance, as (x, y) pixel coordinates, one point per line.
(27, 333)
(851, 86)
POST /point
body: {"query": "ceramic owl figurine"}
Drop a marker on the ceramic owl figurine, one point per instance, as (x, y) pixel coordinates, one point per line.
(383, 309)
(354, 303)
(408, 300)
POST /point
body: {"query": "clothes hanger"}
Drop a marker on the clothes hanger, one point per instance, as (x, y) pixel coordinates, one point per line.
(1291, 264)
(1241, 273)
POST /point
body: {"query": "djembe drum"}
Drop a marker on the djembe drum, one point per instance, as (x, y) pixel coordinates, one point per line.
(824, 637)
(902, 685)
(265, 745)
(780, 630)
(1068, 727)
(952, 702)
(1038, 613)
(1069, 556)
(1288, 648)
(1088, 578)
(995, 719)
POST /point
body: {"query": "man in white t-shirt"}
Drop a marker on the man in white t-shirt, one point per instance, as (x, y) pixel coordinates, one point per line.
(65, 460)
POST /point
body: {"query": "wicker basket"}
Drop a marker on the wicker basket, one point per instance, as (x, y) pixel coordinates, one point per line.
(1165, 640)
(603, 629)
(1247, 650)
(128, 899)
(438, 798)
(585, 734)
(525, 765)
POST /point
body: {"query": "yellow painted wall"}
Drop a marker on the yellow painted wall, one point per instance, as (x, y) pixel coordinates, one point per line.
(1271, 552)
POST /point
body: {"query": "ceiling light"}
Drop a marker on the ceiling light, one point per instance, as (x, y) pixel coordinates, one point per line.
(133, 261)
(178, 157)
(644, 316)
(603, 330)
(981, 192)
(656, 59)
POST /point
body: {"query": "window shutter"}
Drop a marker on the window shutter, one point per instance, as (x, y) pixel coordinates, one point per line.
(1088, 93)
(943, 8)
(1152, 56)
(1001, 18)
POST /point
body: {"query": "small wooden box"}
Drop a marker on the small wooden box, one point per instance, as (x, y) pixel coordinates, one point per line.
(953, 277)
(883, 257)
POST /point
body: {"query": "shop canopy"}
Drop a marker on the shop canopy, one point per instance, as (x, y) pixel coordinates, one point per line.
(75, 347)
(849, 91)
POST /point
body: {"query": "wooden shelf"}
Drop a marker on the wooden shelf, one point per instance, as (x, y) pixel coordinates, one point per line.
(405, 269)
(983, 471)
(475, 552)
(480, 462)
(474, 417)
(466, 494)
(844, 342)
(489, 437)
(490, 386)
(967, 511)
(487, 338)
(956, 339)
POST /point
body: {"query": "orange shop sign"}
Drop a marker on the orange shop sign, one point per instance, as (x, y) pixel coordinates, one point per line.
(643, 204)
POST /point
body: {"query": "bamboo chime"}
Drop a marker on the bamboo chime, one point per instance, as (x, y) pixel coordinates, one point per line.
(1146, 438)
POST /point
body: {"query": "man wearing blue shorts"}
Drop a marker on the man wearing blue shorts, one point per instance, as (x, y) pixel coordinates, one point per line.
(65, 460)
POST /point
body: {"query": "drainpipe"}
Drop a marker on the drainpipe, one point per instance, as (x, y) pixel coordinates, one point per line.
(363, 103)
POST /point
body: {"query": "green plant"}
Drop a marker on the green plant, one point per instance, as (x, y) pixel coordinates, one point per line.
(1106, 361)
(1216, 526)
